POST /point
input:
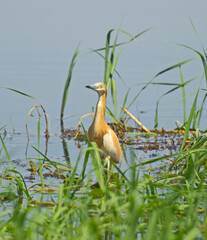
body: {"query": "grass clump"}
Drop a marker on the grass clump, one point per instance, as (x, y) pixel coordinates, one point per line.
(127, 203)
(133, 207)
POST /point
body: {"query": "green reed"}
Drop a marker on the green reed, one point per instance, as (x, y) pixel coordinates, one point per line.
(165, 206)
(67, 85)
(121, 204)
(111, 60)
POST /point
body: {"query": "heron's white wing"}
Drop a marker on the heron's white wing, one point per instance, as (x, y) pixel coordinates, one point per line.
(109, 146)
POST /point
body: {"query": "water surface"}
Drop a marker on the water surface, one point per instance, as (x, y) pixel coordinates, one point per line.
(38, 39)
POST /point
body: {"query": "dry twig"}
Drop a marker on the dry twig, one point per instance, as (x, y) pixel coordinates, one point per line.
(137, 121)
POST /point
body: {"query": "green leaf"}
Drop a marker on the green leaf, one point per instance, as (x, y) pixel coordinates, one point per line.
(175, 66)
(161, 72)
(22, 93)
(5, 149)
(67, 84)
(98, 168)
(106, 58)
(111, 115)
(19, 181)
(114, 95)
(190, 118)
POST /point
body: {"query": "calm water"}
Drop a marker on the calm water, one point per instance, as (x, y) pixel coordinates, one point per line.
(38, 39)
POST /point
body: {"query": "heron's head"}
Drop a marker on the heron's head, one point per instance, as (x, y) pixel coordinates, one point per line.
(99, 87)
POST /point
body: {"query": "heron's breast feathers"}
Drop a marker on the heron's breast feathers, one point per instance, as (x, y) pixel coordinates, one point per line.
(106, 140)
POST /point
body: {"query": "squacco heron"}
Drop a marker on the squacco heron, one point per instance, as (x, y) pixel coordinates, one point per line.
(100, 132)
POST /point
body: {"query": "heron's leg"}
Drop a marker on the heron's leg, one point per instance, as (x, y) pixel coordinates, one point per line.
(108, 163)
(107, 159)
(109, 166)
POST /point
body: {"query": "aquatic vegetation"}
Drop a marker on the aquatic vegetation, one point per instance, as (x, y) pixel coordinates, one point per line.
(137, 201)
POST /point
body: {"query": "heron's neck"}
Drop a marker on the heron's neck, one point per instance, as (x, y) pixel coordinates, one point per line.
(100, 109)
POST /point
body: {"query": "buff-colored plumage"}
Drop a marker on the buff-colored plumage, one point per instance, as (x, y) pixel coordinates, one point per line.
(99, 131)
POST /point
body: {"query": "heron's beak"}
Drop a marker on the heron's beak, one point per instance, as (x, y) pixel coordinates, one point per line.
(93, 87)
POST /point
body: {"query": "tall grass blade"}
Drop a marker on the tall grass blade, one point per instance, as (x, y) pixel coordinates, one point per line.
(111, 60)
(110, 71)
(67, 85)
(108, 37)
(190, 118)
(114, 95)
(175, 66)
(110, 63)
(155, 160)
(38, 133)
(24, 189)
(156, 115)
(98, 168)
(133, 38)
(5, 149)
(22, 93)
(53, 163)
(124, 102)
(159, 73)
(66, 152)
(152, 225)
(107, 50)
(40, 163)
(166, 93)
(85, 164)
(120, 171)
(198, 38)
(96, 160)
(202, 57)
(183, 94)
(2, 127)
(176, 104)
(201, 108)
(111, 115)
(72, 176)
